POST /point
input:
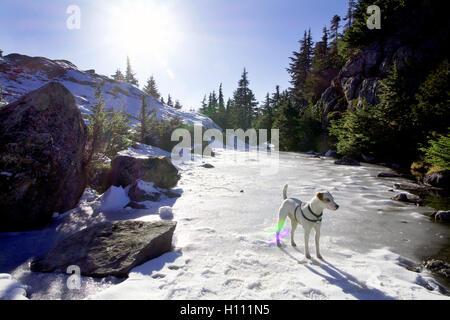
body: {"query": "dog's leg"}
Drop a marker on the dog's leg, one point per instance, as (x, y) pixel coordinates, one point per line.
(293, 227)
(317, 238)
(281, 221)
(307, 232)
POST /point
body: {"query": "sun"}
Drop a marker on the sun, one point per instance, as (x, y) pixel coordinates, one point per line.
(144, 28)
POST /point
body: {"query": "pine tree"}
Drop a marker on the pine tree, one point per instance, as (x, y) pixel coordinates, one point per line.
(130, 76)
(118, 76)
(204, 107)
(147, 120)
(169, 101)
(178, 105)
(438, 152)
(350, 14)
(118, 133)
(97, 123)
(221, 101)
(299, 67)
(151, 88)
(244, 103)
(162, 100)
(287, 121)
(334, 32)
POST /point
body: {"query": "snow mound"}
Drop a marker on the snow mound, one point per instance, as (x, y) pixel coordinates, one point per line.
(114, 199)
(10, 289)
(140, 150)
(166, 213)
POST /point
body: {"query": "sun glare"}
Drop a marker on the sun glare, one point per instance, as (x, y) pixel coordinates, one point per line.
(144, 27)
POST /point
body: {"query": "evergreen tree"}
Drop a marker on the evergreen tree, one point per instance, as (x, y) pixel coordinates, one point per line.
(350, 13)
(146, 124)
(299, 67)
(162, 100)
(169, 101)
(130, 76)
(118, 133)
(265, 117)
(334, 32)
(221, 107)
(97, 124)
(438, 152)
(178, 105)
(287, 121)
(151, 88)
(244, 103)
(204, 107)
(118, 76)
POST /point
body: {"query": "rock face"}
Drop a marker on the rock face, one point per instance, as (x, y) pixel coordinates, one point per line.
(42, 138)
(359, 80)
(442, 216)
(159, 170)
(109, 249)
(439, 179)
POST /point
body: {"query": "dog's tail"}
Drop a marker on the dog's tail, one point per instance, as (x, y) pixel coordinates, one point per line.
(285, 192)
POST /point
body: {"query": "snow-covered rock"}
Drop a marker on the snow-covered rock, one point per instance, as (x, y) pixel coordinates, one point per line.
(20, 74)
(166, 213)
(115, 198)
(10, 289)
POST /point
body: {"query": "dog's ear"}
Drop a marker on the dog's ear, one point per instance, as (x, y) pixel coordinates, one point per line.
(319, 195)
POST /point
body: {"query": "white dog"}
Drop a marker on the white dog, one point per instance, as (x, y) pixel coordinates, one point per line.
(309, 215)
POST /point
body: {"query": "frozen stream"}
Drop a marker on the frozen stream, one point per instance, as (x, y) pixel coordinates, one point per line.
(225, 221)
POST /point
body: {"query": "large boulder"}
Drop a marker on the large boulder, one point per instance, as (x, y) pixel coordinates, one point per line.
(42, 138)
(126, 170)
(439, 179)
(109, 248)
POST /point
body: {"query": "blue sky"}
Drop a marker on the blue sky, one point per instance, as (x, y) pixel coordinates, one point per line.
(190, 46)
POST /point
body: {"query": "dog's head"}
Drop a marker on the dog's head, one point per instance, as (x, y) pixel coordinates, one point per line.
(327, 200)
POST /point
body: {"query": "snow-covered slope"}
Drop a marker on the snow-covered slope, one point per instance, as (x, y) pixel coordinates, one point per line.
(20, 74)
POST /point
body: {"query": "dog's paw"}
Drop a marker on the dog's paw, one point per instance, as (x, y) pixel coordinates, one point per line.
(319, 256)
(308, 256)
(293, 244)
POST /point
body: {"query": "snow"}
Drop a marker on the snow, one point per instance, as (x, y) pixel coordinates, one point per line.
(148, 187)
(115, 198)
(143, 151)
(166, 213)
(10, 289)
(224, 237)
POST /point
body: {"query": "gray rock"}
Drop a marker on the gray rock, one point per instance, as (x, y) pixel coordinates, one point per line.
(207, 166)
(409, 198)
(439, 179)
(347, 162)
(109, 249)
(442, 216)
(126, 170)
(388, 175)
(438, 266)
(42, 139)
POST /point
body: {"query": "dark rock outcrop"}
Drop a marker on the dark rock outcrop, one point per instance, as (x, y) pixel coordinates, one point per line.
(441, 216)
(347, 162)
(409, 198)
(109, 249)
(126, 170)
(439, 179)
(42, 139)
(438, 266)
